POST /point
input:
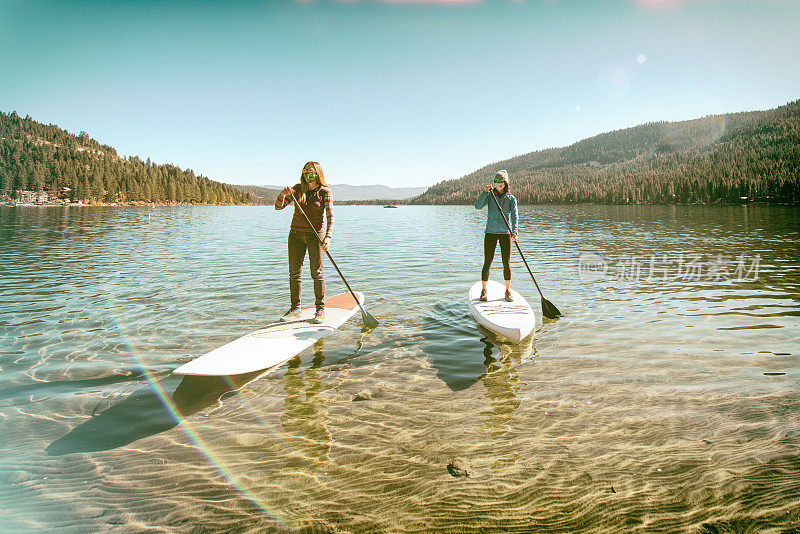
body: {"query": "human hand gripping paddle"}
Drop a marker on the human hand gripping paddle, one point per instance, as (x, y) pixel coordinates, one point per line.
(369, 320)
(548, 309)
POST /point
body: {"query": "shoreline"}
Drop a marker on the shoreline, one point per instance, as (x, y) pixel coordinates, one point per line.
(357, 203)
(105, 204)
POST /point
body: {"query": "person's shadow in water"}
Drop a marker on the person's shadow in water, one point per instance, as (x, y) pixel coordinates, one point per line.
(146, 412)
(463, 352)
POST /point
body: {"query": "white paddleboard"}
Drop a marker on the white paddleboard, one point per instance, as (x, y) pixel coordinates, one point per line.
(274, 344)
(514, 320)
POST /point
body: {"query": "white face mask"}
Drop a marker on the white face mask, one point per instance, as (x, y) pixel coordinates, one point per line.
(500, 186)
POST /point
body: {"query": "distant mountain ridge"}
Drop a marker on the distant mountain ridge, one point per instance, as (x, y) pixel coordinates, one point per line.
(259, 195)
(344, 192)
(372, 192)
(714, 159)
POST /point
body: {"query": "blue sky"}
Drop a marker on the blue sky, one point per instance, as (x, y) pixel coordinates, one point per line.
(401, 93)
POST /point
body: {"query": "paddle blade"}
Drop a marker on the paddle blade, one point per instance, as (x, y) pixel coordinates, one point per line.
(550, 311)
(369, 321)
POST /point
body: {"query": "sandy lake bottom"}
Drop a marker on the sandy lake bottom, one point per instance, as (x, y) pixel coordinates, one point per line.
(666, 399)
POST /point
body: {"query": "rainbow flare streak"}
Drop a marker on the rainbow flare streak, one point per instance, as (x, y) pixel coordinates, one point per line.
(193, 436)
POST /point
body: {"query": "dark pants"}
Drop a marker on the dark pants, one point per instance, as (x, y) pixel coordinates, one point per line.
(489, 245)
(299, 242)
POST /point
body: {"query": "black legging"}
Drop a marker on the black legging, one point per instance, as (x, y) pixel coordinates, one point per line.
(489, 245)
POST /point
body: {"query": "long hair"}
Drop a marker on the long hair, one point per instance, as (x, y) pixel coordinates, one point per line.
(301, 189)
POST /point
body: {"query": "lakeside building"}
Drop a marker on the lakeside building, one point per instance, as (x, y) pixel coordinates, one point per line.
(25, 196)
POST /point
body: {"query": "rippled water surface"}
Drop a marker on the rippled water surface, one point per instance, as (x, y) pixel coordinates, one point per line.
(666, 398)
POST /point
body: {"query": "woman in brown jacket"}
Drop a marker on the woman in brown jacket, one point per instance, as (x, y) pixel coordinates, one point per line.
(316, 200)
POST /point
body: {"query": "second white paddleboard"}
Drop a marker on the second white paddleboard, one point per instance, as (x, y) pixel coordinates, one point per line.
(274, 344)
(514, 320)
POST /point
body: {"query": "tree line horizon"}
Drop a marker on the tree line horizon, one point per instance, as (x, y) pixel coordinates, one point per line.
(714, 159)
(752, 156)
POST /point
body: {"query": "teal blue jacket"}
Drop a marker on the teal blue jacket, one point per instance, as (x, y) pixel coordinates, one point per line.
(494, 223)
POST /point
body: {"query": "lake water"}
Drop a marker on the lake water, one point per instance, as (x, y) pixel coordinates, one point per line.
(667, 397)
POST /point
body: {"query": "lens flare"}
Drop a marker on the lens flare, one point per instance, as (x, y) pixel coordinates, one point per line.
(614, 80)
(181, 308)
(415, 2)
(174, 412)
(183, 424)
(660, 4)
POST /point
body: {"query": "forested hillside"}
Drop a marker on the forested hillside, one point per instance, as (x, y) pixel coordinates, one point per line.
(719, 158)
(39, 157)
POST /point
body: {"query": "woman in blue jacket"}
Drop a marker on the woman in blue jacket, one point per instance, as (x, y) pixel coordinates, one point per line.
(496, 229)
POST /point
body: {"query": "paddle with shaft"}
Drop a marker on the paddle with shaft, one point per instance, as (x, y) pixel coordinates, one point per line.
(548, 309)
(369, 320)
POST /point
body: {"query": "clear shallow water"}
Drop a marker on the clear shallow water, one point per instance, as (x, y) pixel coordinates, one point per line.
(661, 401)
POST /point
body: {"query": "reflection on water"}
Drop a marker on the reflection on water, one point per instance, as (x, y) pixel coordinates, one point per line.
(652, 405)
(304, 419)
(502, 380)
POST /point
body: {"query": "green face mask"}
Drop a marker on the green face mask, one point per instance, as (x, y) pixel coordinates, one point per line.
(309, 176)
